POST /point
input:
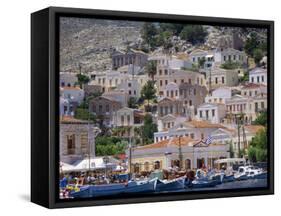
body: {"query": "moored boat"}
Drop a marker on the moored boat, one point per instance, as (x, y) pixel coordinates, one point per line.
(114, 189)
(202, 183)
(170, 185)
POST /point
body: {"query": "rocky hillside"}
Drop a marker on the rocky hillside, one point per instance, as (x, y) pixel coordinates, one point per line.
(89, 42)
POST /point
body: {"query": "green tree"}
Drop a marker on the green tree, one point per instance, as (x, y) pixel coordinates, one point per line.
(148, 91)
(164, 39)
(258, 55)
(252, 43)
(151, 69)
(148, 129)
(84, 114)
(148, 34)
(261, 119)
(133, 103)
(201, 62)
(230, 65)
(106, 145)
(173, 28)
(194, 34)
(257, 151)
(82, 79)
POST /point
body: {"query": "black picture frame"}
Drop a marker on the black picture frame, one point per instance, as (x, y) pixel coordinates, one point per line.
(45, 112)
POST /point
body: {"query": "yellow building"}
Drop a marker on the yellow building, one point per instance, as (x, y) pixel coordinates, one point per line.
(166, 154)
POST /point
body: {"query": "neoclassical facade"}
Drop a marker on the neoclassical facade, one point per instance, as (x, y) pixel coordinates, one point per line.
(165, 154)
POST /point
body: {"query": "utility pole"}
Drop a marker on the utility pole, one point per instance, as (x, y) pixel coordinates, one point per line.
(210, 81)
(180, 154)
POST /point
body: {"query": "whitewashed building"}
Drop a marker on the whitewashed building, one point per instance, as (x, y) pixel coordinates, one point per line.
(221, 77)
(213, 112)
(171, 90)
(230, 55)
(219, 95)
(68, 79)
(132, 87)
(258, 75)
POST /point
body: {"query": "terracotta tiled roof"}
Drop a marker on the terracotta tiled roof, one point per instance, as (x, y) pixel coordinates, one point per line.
(167, 142)
(253, 85)
(70, 119)
(204, 124)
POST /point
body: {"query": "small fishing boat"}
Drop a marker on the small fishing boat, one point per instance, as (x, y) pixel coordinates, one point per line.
(241, 174)
(170, 185)
(198, 183)
(114, 189)
(228, 178)
(218, 177)
(255, 173)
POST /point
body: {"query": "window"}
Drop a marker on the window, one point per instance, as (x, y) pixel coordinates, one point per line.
(200, 113)
(160, 72)
(213, 112)
(252, 79)
(135, 92)
(250, 93)
(224, 58)
(222, 80)
(207, 114)
(262, 105)
(167, 93)
(70, 144)
(190, 102)
(128, 119)
(189, 81)
(182, 81)
(258, 79)
(262, 78)
(216, 80)
(166, 72)
(161, 82)
(130, 92)
(193, 59)
(129, 84)
(192, 135)
(107, 108)
(166, 82)
(172, 93)
(100, 108)
(122, 120)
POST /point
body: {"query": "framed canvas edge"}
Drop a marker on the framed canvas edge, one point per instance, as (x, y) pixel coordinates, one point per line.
(53, 155)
